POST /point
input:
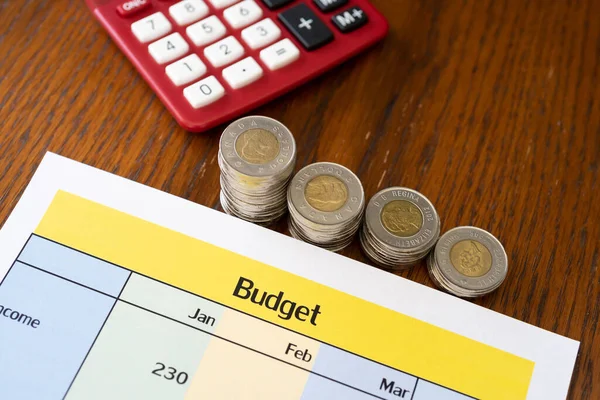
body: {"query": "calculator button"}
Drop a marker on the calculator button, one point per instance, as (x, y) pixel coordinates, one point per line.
(186, 70)
(243, 14)
(150, 28)
(224, 51)
(280, 54)
(273, 4)
(349, 20)
(329, 5)
(206, 31)
(168, 48)
(188, 11)
(306, 26)
(242, 73)
(222, 3)
(131, 7)
(261, 34)
(205, 92)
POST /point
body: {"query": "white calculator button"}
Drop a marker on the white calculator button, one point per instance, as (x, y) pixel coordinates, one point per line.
(242, 73)
(243, 14)
(188, 11)
(206, 31)
(222, 3)
(280, 54)
(150, 28)
(203, 93)
(186, 70)
(168, 48)
(261, 34)
(224, 51)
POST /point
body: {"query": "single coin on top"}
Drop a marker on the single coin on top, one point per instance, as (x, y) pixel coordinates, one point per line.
(401, 226)
(257, 156)
(468, 262)
(326, 202)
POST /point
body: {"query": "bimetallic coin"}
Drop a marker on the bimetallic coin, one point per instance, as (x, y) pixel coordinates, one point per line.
(401, 226)
(496, 272)
(328, 210)
(247, 147)
(257, 156)
(326, 203)
(468, 262)
(419, 238)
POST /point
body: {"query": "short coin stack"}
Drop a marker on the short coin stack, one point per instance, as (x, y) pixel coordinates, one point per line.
(257, 156)
(401, 226)
(468, 262)
(326, 203)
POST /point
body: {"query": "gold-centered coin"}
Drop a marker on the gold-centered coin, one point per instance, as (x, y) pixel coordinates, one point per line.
(257, 146)
(326, 193)
(471, 258)
(402, 218)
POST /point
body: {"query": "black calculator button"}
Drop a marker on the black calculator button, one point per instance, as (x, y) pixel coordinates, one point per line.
(351, 19)
(329, 5)
(273, 4)
(306, 26)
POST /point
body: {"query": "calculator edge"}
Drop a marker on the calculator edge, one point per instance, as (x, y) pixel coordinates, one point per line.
(191, 124)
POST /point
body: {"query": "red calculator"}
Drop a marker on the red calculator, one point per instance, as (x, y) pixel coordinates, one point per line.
(210, 61)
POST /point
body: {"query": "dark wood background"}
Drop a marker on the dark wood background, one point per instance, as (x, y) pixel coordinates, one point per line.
(490, 108)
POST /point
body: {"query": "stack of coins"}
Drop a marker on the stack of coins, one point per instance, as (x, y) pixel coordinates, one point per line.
(401, 227)
(257, 156)
(468, 262)
(326, 203)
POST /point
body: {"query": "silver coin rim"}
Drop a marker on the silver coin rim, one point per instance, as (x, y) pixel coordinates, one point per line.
(373, 219)
(356, 195)
(284, 158)
(499, 258)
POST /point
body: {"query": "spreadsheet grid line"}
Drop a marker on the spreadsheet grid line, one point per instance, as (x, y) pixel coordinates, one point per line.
(19, 255)
(125, 284)
(239, 311)
(251, 349)
(93, 342)
(414, 389)
(66, 279)
(188, 326)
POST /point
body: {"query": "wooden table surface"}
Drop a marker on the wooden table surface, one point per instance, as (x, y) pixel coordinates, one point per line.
(490, 108)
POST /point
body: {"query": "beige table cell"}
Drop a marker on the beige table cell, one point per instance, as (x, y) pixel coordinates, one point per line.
(228, 371)
(268, 338)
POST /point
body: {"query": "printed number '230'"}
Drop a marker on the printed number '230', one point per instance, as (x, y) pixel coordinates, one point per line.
(170, 373)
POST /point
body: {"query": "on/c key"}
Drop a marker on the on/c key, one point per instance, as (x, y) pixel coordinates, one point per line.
(131, 7)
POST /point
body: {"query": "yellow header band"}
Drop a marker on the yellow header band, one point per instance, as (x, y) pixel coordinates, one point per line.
(299, 304)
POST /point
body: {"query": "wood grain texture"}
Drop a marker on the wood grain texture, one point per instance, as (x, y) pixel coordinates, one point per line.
(490, 108)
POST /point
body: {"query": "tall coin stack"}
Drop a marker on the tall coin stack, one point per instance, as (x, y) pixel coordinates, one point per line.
(326, 203)
(468, 262)
(257, 156)
(401, 227)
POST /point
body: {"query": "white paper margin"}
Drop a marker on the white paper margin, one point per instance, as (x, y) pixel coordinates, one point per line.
(554, 355)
